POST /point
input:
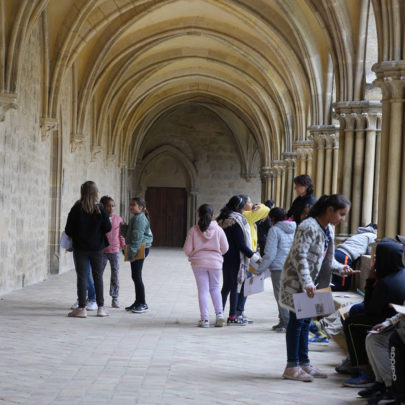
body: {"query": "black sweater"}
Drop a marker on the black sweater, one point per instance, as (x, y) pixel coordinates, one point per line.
(237, 244)
(389, 287)
(298, 206)
(87, 230)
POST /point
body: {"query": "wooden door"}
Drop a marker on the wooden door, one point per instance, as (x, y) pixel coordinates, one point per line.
(168, 212)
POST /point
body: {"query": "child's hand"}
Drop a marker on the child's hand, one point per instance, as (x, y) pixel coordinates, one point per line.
(347, 270)
(310, 290)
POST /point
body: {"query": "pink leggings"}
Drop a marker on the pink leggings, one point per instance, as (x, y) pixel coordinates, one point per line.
(208, 281)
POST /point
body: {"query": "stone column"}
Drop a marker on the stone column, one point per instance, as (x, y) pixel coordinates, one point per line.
(266, 176)
(331, 161)
(290, 166)
(323, 137)
(277, 170)
(358, 120)
(391, 205)
(303, 152)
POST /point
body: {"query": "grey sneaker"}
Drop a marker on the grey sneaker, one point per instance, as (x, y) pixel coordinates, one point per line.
(139, 309)
(115, 303)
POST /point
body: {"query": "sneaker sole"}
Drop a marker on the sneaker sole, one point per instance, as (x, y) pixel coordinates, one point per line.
(358, 385)
(287, 377)
(140, 312)
(103, 316)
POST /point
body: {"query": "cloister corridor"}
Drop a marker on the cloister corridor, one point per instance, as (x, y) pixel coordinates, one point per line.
(156, 358)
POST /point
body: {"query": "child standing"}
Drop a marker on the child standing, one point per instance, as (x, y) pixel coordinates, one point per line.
(137, 232)
(313, 245)
(278, 244)
(111, 252)
(205, 245)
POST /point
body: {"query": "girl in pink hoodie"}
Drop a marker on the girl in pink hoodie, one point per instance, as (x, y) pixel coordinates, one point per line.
(111, 252)
(205, 244)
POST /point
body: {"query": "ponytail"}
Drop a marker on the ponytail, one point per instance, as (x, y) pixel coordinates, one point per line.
(142, 203)
(236, 203)
(205, 213)
(336, 201)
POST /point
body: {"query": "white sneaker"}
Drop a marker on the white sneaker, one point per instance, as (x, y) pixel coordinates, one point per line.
(220, 320)
(203, 323)
(75, 305)
(102, 312)
(91, 305)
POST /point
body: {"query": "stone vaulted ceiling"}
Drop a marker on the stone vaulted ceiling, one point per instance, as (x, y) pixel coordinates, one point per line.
(276, 65)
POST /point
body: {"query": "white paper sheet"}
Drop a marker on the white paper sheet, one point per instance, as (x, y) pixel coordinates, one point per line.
(254, 285)
(320, 304)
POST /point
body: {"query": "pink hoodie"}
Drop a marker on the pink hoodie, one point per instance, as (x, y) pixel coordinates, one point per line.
(114, 237)
(205, 249)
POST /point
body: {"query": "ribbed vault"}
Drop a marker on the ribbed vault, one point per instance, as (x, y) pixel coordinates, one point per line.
(273, 63)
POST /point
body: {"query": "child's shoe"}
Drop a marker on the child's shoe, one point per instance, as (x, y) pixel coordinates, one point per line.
(375, 389)
(203, 323)
(131, 307)
(220, 320)
(281, 329)
(140, 309)
(232, 320)
(361, 381)
(101, 311)
(115, 303)
(91, 305)
(78, 313)
(75, 305)
(298, 374)
(241, 320)
(314, 372)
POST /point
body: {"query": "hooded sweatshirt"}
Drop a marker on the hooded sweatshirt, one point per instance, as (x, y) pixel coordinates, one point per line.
(278, 243)
(205, 249)
(357, 245)
(389, 285)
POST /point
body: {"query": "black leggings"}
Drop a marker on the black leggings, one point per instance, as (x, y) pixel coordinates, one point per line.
(356, 328)
(136, 271)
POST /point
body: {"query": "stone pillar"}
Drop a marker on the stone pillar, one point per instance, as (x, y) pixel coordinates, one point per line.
(266, 176)
(356, 179)
(192, 213)
(324, 138)
(290, 166)
(391, 205)
(303, 152)
(277, 170)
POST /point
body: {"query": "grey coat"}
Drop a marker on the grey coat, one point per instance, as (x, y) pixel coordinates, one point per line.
(278, 243)
(305, 265)
(357, 244)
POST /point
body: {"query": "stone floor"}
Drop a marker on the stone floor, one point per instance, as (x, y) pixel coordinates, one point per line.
(160, 357)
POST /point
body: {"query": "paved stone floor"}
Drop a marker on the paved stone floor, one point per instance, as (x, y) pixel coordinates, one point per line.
(160, 357)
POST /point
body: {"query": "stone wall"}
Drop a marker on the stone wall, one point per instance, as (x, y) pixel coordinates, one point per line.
(205, 141)
(26, 181)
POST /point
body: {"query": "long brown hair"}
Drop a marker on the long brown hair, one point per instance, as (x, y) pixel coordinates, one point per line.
(142, 203)
(89, 197)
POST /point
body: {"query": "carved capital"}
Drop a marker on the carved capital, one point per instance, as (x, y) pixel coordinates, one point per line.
(47, 125)
(8, 102)
(76, 140)
(95, 151)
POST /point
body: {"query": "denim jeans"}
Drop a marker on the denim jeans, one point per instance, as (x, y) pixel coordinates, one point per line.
(297, 341)
(136, 270)
(114, 259)
(91, 292)
(83, 260)
(241, 300)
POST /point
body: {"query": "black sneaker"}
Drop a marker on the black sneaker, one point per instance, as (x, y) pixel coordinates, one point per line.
(384, 398)
(140, 308)
(131, 307)
(376, 389)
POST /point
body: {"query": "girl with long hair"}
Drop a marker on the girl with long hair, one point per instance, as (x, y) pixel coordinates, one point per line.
(205, 245)
(87, 225)
(236, 260)
(137, 232)
(311, 258)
